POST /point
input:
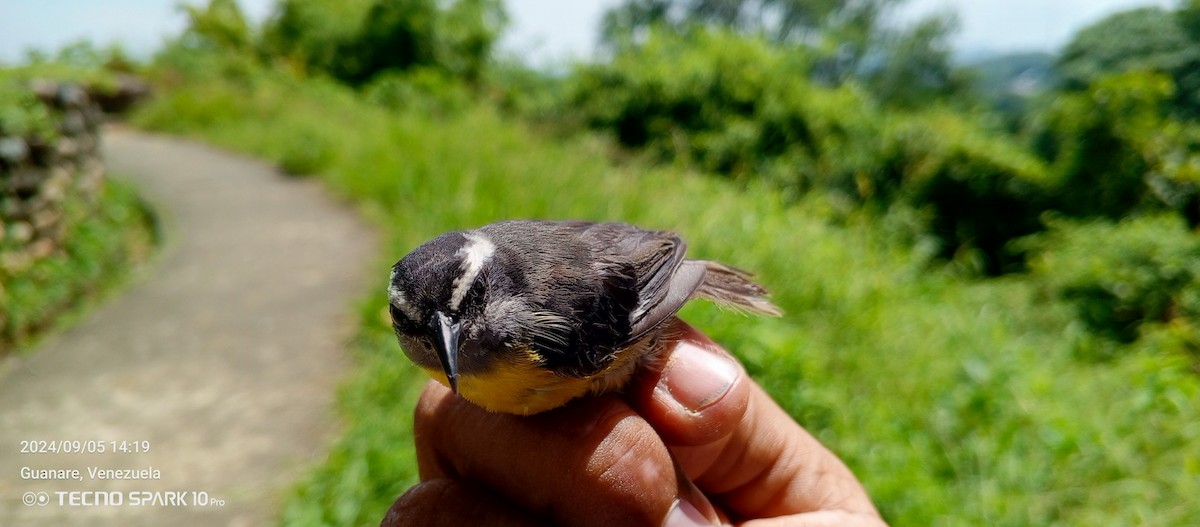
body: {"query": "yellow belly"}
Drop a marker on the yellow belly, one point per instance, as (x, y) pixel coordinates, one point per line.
(524, 387)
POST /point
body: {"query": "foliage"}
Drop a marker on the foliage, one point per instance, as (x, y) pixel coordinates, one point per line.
(421, 89)
(1188, 17)
(355, 41)
(393, 35)
(1174, 177)
(915, 65)
(101, 242)
(845, 39)
(1099, 143)
(729, 104)
(733, 105)
(777, 20)
(1124, 277)
(218, 25)
(958, 403)
(1144, 39)
(983, 190)
(312, 33)
(21, 113)
(79, 62)
(519, 90)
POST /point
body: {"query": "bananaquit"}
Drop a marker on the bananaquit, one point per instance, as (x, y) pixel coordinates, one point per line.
(523, 316)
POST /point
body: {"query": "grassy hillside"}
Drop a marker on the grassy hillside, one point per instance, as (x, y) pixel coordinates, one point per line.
(957, 402)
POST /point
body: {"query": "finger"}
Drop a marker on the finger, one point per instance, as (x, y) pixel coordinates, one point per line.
(697, 396)
(735, 442)
(592, 462)
(819, 519)
(451, 503)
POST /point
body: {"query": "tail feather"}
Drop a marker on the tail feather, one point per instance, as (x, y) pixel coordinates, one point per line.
(733, 287)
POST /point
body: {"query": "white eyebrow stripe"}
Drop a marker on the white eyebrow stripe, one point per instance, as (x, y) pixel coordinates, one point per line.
(475, 253)
(397, 298)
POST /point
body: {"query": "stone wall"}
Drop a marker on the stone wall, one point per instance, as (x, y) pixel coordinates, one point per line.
(38, 179)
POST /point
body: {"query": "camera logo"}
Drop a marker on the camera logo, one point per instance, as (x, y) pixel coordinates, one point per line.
(35, 498)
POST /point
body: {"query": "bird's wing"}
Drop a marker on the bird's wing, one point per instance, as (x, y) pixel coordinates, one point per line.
(647, 272)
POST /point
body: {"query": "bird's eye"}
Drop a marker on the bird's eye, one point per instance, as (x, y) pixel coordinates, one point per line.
(398, 317)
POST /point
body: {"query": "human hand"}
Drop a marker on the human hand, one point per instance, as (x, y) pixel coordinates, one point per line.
(733, 454)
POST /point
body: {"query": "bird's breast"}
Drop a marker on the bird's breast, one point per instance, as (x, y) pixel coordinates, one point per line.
(522, 385)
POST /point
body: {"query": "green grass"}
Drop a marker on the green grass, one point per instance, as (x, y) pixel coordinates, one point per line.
(956, 402)
(102, 241)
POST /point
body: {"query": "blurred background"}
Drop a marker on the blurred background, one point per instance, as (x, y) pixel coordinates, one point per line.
(979, 216)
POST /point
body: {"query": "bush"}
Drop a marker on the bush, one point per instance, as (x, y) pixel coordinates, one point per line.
(21, 113)
(735, 105)
(1122, 277)
(421, 89)
(1099, 143)
(306, 152)
(730, 104)
(355, 41)
(984, 190)
(1174, 178)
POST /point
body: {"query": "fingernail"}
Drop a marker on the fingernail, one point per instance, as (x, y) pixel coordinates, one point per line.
(684, 514)
(697, 377)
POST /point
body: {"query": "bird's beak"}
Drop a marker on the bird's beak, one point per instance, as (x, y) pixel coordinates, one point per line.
(447, 348)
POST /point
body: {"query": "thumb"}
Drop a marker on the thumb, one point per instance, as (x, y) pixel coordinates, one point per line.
(734, 441)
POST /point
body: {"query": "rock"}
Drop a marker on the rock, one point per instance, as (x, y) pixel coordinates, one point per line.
(13, 151)
(46, 219)
(130, 90)
(45, 90)
(67, 147)
(42, 153)
(20, 232)
(42, 248)
(70, 95)
(73, 123)
(22, 183)
(16, 261)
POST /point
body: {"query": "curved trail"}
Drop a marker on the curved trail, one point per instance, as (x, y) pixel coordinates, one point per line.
(225, 358)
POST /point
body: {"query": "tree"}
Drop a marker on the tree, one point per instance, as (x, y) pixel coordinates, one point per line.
(803, 21)
(356, 40)
(777, 20)
(310, 33)
(915, 65)
(847, 38)
(1103, 142)
(1188, 17)
(220, 25)
(1146, 39)
(393, 35)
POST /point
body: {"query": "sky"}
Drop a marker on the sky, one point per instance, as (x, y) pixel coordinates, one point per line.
(545, 31)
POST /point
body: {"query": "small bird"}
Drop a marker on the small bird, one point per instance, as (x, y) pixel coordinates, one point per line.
(522, 316)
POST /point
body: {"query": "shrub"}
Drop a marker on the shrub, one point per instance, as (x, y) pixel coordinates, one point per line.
(1174, 178)
(730, 104)
(355, 41)
(739, 106)
(1123, 276)
(1098, 143)
(305, 152)
(421, 89)
(21, 113)
(983, 189)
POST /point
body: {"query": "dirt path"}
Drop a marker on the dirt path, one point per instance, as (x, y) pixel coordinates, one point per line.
(224, 359)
